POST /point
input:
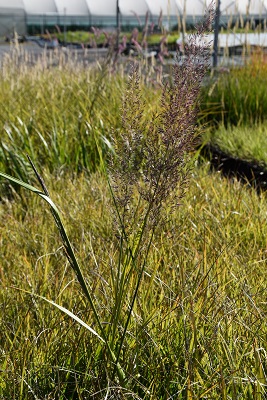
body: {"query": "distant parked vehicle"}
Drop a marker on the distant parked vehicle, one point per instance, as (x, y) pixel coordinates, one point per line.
(15, 38)
(52, 43)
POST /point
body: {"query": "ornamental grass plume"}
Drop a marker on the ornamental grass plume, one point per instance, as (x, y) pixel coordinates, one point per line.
(154, 160)
(148, 174)
(148, 177)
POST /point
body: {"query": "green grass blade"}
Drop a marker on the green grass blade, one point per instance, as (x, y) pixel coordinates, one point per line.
(21, 183)
(65, 310)
(73, 262)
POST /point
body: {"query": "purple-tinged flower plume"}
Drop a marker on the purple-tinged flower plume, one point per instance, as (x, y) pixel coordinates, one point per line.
(152, 164)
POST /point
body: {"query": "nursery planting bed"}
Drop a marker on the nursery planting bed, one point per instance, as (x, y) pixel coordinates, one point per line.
(245, 171)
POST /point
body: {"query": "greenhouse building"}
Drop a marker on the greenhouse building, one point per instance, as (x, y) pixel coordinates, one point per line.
(25, 16)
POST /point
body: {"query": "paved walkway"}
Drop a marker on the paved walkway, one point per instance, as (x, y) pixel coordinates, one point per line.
(34, 52)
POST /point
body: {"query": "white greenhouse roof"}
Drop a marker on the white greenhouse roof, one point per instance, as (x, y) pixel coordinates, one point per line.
(71, 7)
(196, 7)
(132, 7)
(40, 6)
(167, 7)
(231, 7)
(13, 4)
(102, 7)
(258, 7)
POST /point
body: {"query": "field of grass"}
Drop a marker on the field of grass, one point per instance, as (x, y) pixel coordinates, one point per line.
(245, 142)
(197, 329)
(60, 117)
(238, 98)
(234, 108)
(89, 37)
(54, 116)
